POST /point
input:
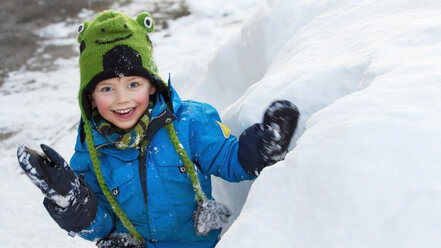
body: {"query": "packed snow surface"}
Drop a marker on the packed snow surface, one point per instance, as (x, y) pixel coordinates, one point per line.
(364, 167)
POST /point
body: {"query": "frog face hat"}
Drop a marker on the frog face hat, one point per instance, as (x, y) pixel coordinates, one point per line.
(115, 45)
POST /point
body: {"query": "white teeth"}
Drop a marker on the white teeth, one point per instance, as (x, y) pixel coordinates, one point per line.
(124, 111)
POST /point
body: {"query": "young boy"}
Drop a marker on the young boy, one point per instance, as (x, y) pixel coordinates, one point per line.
(140, 175)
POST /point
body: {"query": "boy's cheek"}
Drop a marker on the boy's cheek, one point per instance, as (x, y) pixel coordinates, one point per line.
(102, 106)
(101, 102)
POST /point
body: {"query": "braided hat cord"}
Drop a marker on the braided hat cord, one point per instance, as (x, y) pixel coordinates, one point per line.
(187, 162)
(113, 203)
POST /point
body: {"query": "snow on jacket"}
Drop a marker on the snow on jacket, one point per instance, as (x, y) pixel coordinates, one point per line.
(167, 219)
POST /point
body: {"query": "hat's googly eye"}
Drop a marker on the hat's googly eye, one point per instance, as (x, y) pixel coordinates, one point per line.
(81, 28)
(148, 22)
(145, 21)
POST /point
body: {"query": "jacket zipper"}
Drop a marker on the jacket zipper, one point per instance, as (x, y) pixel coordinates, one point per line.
(156, 123)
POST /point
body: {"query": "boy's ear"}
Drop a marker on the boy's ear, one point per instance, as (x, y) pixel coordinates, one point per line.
(91, 101)
(152, 90)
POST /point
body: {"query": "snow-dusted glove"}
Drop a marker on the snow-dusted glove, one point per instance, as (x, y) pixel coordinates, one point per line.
(266, 143)
(119, 240)
(210, 215)
(68, 199)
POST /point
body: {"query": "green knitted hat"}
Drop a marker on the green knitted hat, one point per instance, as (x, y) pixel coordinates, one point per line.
(115, 45)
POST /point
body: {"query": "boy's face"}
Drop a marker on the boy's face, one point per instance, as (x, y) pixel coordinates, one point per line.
(122, 101)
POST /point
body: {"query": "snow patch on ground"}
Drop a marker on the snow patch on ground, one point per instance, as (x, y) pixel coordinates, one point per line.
(364, 166)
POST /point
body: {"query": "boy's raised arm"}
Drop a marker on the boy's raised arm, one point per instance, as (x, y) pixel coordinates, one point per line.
(264, 144)
(103, 223)
(260, 145)
(68, 198)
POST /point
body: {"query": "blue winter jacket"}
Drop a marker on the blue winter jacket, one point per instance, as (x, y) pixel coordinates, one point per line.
(167, 219)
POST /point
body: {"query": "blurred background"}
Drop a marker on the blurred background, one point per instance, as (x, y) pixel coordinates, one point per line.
(36, 33)
(21, 22)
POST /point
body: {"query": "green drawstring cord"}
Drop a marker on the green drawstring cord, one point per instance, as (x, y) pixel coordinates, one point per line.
(113, 203)
(187, 162)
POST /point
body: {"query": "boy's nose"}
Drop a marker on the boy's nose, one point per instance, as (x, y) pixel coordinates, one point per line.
(122, 96)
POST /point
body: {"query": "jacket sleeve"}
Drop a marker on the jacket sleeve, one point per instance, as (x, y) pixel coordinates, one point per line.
(213, 149)
(103, 223)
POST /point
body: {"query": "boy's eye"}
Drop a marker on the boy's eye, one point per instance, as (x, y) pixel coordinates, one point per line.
(106, 89)
(133, 84)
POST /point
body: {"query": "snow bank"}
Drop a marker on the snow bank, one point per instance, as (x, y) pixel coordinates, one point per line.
(366, 169)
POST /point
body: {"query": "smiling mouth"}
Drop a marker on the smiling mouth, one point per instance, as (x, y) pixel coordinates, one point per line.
(124, 112)
(115, 40)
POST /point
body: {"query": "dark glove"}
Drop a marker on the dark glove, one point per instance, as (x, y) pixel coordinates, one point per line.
(68, 199)
(119, 240)
(266, 143)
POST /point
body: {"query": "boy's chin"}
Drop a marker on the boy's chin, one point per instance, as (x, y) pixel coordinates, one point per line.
(126, 127)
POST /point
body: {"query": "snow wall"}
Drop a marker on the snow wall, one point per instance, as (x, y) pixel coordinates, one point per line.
(364, 168)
